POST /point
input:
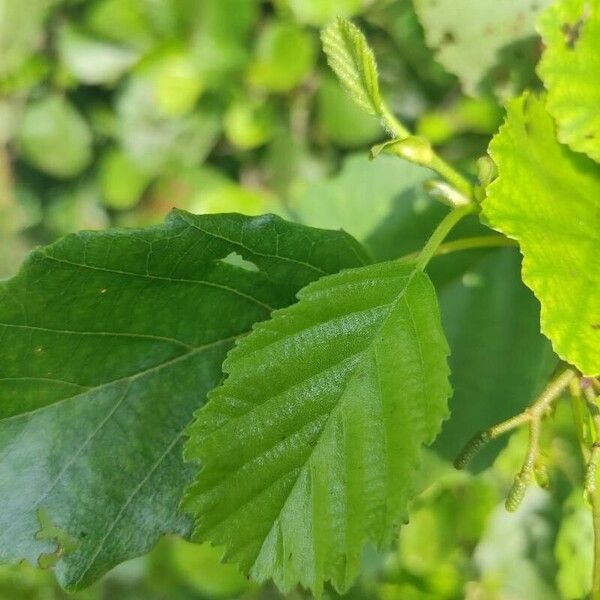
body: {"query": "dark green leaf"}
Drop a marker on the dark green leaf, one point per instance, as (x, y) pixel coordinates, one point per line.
(109, 342)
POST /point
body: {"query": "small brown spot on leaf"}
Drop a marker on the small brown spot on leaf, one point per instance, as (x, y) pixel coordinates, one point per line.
(448, 38)
(572, 32)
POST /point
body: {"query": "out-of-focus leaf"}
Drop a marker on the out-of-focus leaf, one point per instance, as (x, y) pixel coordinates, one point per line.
(570, 70)
(400, 21)
(221, 38)
(74, 207)
(199, 567)
(546, 197)
(499, 359)
(514, 556)
(283, 57)
(468, 36)
(575, 548)
(55, 137)
(93, 61)
(445, 523)
(122, 180)
(110, 342)
(467, 115)
(155, 141)
(174, 81)
(249, 123)
(341, 120)
(360, 197)
(21, 32)
(321, 12)
(203, 191)
(124, 21)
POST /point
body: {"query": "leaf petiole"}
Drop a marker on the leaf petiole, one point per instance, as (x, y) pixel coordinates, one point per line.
(469, 243)
(442, 230)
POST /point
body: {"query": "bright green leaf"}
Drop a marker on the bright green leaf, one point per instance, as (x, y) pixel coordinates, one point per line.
(546, 197)
(249, 123)
(352, 60)
(55, 137)
(570, 69)
(469, 36)
(109, 342)
(309, 449)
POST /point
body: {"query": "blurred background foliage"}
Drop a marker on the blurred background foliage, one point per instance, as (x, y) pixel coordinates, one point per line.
(114, 111)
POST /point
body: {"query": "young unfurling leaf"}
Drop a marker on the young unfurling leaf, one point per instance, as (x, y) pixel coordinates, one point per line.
(351, 58)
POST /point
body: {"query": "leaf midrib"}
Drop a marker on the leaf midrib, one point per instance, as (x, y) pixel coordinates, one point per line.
(335, 409)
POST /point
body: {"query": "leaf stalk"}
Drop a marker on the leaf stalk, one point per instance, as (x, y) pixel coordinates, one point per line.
(440, 233)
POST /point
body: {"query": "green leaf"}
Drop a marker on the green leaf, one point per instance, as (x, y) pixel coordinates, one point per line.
(156, 141)
(283, 57)
(470, 36)
(363, 195)
(570, 70)
(352, 60)
(546, 197)
(55, 137)
(249, 123)
(21, 32)
(310, 447)
(110, 341)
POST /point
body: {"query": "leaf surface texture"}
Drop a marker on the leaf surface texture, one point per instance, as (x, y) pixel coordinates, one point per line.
(546, 197)
(309, 448)
(109, 342)
(570, 70)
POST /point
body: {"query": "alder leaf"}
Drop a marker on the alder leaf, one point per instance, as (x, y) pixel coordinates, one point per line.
(110, 341)
(469, 36)
(309, 448)
(570, 70)
(546, 197)
(350, 57)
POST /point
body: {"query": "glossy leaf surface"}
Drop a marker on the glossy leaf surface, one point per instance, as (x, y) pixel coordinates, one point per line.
(309, 449)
